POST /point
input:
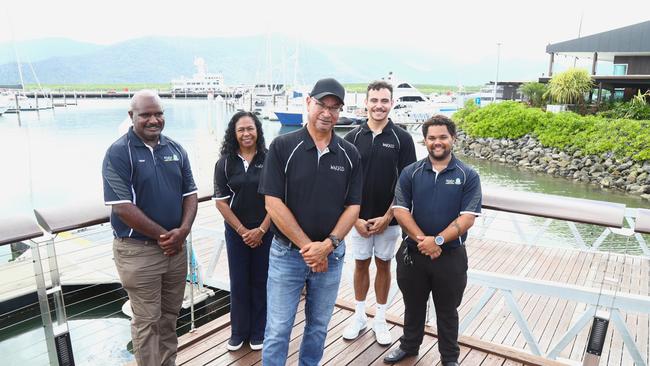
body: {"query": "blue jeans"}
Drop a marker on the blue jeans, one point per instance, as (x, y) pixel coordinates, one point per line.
(288, 274)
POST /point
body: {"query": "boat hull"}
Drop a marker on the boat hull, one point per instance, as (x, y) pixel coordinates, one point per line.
(289, 118)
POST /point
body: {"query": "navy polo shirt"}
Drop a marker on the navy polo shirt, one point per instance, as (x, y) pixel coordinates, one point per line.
(236, 181)
(383, 156)
(436, 199)
(156, 180)
(315, 189)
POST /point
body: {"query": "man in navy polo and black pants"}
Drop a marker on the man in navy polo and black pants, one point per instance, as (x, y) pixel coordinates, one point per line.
(149, 185)
(385, 150)
(436, 201)
(312, 186)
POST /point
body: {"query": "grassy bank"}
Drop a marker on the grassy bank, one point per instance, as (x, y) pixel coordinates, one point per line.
(424, 88)
(354, 87)
(567, 130)
(101, 87)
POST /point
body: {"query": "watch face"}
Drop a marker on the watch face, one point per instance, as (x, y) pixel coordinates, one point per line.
(440, 240)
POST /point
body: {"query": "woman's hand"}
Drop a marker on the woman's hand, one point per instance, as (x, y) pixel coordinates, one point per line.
(253, 237)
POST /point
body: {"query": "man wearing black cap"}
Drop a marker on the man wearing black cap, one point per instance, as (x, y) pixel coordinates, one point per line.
(312, 186)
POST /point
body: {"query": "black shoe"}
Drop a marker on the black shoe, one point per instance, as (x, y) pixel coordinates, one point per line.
(397, 355)
(450, 363)
(234, 344)
(256, 345)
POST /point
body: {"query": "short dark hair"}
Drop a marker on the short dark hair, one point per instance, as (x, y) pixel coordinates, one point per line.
(230, 146)
(378, 85)
(439, 120)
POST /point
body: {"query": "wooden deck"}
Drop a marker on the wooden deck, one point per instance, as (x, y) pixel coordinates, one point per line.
(207, 346)
(493, 330)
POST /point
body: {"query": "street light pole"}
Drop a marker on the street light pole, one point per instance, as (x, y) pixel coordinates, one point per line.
(496, 79)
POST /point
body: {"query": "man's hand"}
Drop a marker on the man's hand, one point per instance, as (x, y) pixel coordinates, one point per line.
(377, 225)
(362, 227)
(316, 252)
(320, 267)
(253, 237)
(427, 246)
(172, 241)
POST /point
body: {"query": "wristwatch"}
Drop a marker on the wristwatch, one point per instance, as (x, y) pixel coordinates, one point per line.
(439, 240)
(335, 241)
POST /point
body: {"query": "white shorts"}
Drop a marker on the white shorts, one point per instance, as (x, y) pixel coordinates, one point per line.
(383, 245)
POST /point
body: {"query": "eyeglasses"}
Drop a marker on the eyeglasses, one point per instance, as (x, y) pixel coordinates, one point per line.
(336, 109)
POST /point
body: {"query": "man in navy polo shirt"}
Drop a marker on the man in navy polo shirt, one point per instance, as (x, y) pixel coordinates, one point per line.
(312, 186)
(149, 185)
(385, 150)
(436, 202)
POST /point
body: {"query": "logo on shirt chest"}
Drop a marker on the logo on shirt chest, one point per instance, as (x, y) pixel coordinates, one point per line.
(259, 166)
(387, 145)
(171, 158)
(453, 181)
(338, 168)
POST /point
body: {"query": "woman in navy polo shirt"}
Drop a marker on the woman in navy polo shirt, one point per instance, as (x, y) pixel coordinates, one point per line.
(248, 239)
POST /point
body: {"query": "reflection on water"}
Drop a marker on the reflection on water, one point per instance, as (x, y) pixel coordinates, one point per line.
(55, 158)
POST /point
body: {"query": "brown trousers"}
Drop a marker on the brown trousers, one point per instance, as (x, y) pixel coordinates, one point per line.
(155, 285)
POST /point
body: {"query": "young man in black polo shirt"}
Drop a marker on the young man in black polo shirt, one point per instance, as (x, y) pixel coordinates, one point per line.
(385, 150)
(436, 202)
(312, 186)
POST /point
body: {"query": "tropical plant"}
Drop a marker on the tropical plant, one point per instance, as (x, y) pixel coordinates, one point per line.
(534, 92)
(570, 86)
(640, 99)
(634, 109)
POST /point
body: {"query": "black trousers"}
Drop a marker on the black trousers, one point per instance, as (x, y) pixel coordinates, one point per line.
(248, 269)
(445, 278)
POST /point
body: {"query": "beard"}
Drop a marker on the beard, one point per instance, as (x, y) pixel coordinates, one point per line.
(445, 155)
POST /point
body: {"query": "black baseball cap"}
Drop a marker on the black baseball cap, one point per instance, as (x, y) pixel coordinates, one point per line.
(328, 86)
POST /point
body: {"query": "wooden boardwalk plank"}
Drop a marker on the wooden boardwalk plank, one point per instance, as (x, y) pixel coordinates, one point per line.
(548, 317)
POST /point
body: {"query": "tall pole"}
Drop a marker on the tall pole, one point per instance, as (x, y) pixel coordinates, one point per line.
(496, 79)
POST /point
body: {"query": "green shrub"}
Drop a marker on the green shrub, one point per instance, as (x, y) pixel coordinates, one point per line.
(503, 120)
(629, 110)
(566, 131)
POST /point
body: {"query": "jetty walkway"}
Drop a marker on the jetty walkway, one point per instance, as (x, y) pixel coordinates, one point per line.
(540, 268)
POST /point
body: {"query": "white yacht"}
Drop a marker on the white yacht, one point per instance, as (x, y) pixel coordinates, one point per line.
(412, 106)
(201, 82)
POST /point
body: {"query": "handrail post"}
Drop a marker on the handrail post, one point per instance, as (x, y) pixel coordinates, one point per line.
(57, 337)
(190, 263)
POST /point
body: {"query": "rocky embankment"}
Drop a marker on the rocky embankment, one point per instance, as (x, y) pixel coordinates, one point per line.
(604, 170)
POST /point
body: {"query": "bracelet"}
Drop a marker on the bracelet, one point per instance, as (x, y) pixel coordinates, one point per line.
(262, 230)
(240, 225)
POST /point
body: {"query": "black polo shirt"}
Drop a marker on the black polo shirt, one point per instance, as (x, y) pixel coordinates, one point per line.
(383, 156)
(236, 180)
(436, 199)
(316, 190)
(154, 179)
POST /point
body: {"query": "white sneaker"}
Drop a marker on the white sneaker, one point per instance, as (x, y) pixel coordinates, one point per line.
(352, 330)
(382, 334)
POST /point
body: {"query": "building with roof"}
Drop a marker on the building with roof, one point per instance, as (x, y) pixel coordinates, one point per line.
(628, 48)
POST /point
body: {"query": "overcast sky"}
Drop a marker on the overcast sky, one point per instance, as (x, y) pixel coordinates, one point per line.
(456, 30)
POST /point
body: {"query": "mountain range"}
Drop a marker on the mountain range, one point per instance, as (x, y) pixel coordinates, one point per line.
(241, 60)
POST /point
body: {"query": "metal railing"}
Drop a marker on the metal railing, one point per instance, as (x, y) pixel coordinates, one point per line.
(516, 216)
(67, 275)
(67, 261)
